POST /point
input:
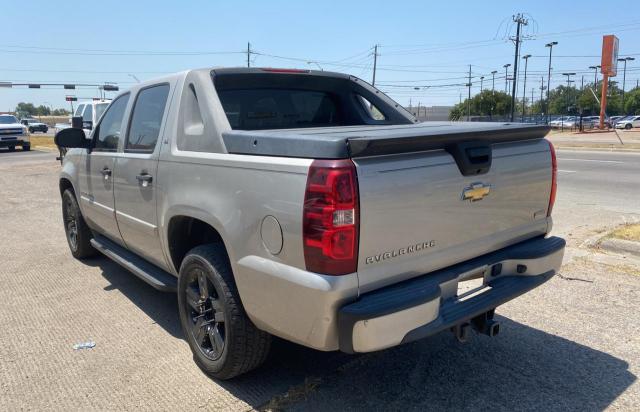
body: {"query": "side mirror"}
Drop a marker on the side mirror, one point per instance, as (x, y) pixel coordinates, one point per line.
(70, 138)
(76, 122)
(87, 125)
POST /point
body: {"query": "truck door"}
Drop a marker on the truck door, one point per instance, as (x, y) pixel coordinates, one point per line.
(97, 194)
(136, 185)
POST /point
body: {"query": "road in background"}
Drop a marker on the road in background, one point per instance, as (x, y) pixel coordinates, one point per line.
(596, 190)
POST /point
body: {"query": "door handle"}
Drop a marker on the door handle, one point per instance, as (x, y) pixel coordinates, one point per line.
(145, 179)
(106, 172)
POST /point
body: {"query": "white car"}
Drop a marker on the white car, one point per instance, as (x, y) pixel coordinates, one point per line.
(628, 122)
(13, 134)
(564, 121)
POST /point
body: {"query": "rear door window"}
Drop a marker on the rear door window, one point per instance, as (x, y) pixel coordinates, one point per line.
(146, 118)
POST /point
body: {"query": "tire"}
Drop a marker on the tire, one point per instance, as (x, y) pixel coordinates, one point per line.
(26, 147)
(12, 148)
(46, 129)
(223, 340)
(30, 130)
(628, 126)
(77, 232)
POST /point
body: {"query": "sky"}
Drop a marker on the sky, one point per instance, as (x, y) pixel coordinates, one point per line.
(422, 44)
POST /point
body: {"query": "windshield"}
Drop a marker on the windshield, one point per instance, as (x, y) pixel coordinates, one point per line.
(8, 119)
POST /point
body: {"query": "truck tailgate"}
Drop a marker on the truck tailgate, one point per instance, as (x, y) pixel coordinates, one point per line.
(414, 217)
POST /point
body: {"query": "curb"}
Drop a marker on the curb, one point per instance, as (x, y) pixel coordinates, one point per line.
(597, 148)
(621, 246)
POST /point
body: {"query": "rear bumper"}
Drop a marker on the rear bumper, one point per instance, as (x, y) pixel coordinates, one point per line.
(426, 305)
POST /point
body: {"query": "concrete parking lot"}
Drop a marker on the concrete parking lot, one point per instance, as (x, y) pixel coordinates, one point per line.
(572, 344)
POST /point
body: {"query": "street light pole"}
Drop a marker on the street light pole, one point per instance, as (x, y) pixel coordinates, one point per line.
(493, 80)
(624, 76)
(524, 86)
(595, 75)
(550, 46)
(506, 76)
(541, 91)
(568, 83)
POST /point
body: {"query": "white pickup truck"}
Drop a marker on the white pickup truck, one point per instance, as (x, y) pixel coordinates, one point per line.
(310, 206)
(13, 133)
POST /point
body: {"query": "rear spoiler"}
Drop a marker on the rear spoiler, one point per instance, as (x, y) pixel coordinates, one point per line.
(363, 141)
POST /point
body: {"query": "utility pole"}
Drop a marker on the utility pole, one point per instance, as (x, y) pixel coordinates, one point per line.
(418, 116)
(248, 54)
(375, 63)
(481, 81)
(524, 85)
(624, 76)
(520, 21)
(506, 77)
(493, 80)
(469, 98)
(550, 46)
(582, 83)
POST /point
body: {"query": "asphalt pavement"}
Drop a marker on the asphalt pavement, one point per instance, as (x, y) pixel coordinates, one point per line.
(597, 190)
(571, 344)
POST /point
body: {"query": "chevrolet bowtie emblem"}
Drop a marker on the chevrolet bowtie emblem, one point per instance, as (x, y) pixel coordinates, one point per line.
(475, 192)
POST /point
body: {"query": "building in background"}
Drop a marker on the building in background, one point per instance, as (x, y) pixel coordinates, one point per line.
(430, 114)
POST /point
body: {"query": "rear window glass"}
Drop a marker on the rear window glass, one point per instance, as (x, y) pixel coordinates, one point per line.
(258, 109)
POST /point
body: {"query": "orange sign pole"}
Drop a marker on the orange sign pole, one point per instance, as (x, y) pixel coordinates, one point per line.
(603, 100)
(609, 68)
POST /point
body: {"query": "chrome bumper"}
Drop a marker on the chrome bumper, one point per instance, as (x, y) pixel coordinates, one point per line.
(426, 305)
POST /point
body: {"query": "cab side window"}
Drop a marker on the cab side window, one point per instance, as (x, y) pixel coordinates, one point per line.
(107, 135)
(146, 119)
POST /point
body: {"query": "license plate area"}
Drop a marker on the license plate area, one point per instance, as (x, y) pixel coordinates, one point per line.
(471, 284)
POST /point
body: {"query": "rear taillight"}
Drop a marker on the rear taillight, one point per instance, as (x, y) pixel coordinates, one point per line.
(554, 178)
(330, 218)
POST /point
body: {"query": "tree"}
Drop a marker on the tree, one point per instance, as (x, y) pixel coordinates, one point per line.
(60, 112)
(487, 103)
(563, 100)
(42, 111)
(26, 108)
(632, 101)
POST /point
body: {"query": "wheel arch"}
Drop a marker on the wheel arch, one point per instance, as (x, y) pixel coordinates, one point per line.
(64, 184)
(186, 231)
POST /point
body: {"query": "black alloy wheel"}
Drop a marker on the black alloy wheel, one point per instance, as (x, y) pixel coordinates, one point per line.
(206, 313)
